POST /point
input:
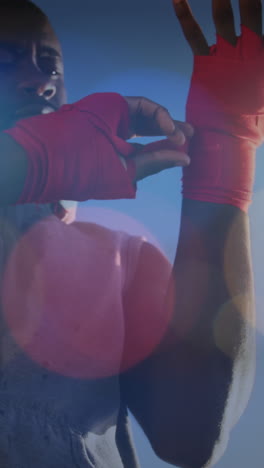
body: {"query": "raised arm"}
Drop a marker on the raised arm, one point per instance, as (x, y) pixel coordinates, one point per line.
(191, 391)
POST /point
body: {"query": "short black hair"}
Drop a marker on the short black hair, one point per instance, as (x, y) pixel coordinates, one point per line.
(22, 5)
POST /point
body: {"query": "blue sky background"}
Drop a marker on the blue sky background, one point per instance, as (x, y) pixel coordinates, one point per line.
(137, 48)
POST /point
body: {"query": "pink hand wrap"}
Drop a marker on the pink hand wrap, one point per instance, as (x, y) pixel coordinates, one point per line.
(226, 107)
(73, 153)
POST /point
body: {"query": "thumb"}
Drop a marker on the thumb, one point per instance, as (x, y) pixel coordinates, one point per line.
(153, 162)
(165, 144)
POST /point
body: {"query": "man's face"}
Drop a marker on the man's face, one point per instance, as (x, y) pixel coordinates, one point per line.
(31, 67)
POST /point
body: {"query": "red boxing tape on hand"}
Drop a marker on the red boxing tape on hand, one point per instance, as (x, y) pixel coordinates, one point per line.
(73, 153)
(226, 107)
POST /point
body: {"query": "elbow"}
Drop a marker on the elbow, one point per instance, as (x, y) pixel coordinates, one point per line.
(192, 426)
(194, 441)
(197, 438)
(193, 453)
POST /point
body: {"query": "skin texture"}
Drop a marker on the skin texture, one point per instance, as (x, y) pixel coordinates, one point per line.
(32, 78)
(179, 394)
(250, 15)
(209, 350)
(31, 66)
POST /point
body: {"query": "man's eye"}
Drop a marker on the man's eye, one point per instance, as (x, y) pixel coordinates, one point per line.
(50, 66)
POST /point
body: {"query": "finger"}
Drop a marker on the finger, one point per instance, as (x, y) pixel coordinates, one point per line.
(138, 146)
(183, 131)
(191, 28)
(164, 125)
(251, 15)
(148, 164)
(185, 127)
(69, 218)
(224, 20)
(151, 119)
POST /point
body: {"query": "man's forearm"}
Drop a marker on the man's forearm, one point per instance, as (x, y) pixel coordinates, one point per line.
(190, 392)
(213, 325)
(213, 276)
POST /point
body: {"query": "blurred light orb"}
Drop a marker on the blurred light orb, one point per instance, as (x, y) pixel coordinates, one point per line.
(58, 314)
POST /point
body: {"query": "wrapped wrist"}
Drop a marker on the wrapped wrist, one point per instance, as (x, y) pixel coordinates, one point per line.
(226, 93)
(226, 107)
(222, 169)
(74, 153)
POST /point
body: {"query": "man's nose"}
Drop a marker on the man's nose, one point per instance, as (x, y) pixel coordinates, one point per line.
(36, 83)
(46, 90)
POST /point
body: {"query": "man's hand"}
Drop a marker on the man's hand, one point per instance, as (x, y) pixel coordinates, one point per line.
(227, 83)
(225, 103)
(151, 119)
(250, 14)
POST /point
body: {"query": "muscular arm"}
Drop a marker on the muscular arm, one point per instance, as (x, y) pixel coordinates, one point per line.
(191, 391)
